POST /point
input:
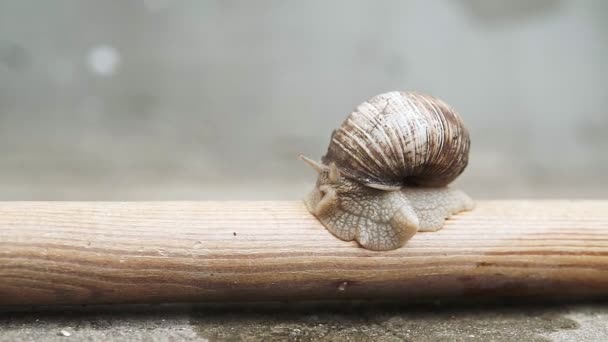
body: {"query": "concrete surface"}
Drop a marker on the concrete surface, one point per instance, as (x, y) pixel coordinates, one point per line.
(157, 99)
(315, 322)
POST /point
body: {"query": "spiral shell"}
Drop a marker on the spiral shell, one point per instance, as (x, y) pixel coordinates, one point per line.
(400, 138)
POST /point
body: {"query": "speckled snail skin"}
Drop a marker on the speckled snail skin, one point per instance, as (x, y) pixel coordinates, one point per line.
(386, 172)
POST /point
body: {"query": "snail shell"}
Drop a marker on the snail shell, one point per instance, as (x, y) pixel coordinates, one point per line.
(400, 138)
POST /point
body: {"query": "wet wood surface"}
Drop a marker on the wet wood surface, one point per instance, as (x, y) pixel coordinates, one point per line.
(151, 252)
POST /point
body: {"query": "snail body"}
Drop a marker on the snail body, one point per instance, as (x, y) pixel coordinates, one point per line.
(386, 172)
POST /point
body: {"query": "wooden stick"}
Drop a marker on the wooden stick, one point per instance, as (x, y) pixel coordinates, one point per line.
(144, 252)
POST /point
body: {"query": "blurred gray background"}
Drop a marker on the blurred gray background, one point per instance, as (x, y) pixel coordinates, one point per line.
(159, 99)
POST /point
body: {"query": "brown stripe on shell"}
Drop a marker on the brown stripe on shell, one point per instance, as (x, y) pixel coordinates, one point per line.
(401, 138)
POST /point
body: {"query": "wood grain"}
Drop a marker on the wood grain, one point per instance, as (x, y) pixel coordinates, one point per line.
(146, 252)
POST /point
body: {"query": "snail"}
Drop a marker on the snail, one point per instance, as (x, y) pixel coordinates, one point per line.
(386, 172)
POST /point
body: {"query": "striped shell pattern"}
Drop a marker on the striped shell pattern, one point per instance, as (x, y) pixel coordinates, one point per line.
(400, 138)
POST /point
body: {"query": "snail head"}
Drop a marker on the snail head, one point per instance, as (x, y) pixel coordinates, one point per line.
(324, 197)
